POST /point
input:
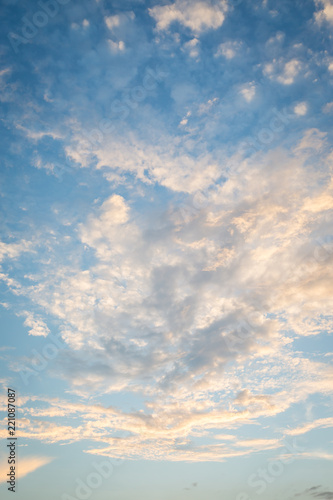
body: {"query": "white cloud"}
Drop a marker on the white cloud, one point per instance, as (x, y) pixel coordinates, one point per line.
(166, 162)
(228, 49)
(116, 46)
(118, 21)
(14, 250)
(196, 15)
(206, 107)
(37, 326)
(113, 213)
(192, 47)
(276, 39)
(283, 72)
(248, 91)
(325, 11)
(301, 109)
(120, 27)
(112, 21)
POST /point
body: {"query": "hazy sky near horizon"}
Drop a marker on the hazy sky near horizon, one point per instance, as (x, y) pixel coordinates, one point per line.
(166, 247)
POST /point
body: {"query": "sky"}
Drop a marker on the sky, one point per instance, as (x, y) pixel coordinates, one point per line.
(166, 248)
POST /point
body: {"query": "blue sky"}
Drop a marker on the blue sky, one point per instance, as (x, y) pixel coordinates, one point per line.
(166, 247)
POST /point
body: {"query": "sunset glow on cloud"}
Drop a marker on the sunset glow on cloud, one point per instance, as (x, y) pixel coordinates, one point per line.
(166, 246)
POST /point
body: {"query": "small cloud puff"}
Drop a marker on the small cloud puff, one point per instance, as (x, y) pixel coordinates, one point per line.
(113, 213)
(301, 109)
(118, 20)
(112, 21)
(196, 15)
(116, 46)
(248, 91)
(37, 326)
(205, 107)
(228, 49)
(192, 47)
(85, 24)
(283, 72)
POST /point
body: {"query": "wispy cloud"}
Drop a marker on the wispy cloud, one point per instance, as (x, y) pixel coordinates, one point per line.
(27, 466)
